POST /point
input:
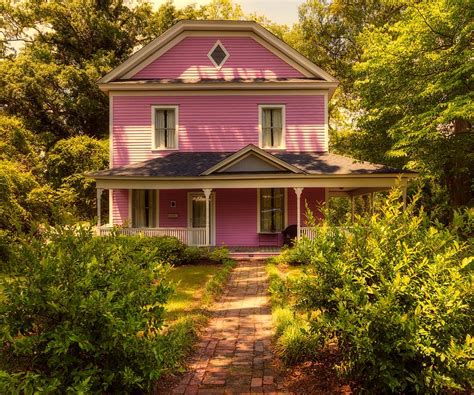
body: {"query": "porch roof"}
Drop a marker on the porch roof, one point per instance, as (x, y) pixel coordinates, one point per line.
(194, 164)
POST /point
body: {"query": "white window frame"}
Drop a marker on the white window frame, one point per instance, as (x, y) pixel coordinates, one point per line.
(227, 55)
(130, 208)
(153, 126)
(262, 107)
(285, 214)
(212, 213)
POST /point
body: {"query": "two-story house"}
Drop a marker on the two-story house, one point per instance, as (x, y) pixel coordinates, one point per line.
(219, 136)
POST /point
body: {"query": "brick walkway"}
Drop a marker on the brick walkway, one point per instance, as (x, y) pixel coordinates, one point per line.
(234, 356)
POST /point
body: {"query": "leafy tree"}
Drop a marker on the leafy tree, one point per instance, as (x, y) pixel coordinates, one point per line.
(68, 163)
(415, 85)
(18, 143)
(51, 84)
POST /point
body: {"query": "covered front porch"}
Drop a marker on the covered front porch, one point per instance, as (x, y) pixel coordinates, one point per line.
(242, 199)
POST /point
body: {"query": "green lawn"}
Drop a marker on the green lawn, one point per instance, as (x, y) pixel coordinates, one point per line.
(189, 284)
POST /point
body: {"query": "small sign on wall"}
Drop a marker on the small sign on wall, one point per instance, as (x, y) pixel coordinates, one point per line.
(172, 215)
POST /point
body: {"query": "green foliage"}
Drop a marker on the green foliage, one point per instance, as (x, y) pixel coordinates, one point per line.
(15, 185)
(17, 143)
(293, 341)
(415, 81)
(217, 283)
(394, 292)
(83, 314)
(218, 255)
(68, 163)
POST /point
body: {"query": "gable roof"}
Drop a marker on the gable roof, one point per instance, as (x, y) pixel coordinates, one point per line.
(176, 33)
(195, 164)
(231, 160)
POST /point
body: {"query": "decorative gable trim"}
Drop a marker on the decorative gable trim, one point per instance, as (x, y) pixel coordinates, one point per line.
(244, 153)
(209, 55)
(173, 35)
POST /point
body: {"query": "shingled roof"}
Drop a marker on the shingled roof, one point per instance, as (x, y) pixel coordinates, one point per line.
(193, 164)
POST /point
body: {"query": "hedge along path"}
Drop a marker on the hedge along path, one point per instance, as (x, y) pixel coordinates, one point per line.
(234, 355)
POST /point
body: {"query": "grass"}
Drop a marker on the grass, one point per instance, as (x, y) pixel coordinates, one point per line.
(190, 282)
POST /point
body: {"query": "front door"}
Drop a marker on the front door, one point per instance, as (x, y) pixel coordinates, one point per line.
(197, 213)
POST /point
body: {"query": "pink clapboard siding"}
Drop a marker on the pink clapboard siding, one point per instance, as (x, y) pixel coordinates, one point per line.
(312, 198)
(214, 123)
(188, 60)
(120, 214)
(236, 212)
(236, 217)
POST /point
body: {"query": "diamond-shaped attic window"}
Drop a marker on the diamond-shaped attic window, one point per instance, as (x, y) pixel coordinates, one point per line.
(218, 55)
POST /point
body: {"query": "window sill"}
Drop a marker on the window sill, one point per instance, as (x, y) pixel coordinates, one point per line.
(270, 233)
(164, 149)
(274, 148)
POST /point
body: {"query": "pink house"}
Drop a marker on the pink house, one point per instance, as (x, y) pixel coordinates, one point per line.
(219, 136)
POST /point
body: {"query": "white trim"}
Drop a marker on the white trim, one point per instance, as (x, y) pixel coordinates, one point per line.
(285, 204)
(210, 33)
(250, 181)
(212, 213)
(236, 156)
(111, 206)
(154, 108)
(196, 85)
(326, 197)
(282, 107)
(326, 121)
(227, 55)
(263, 159)
(223, 92)
(241, 26)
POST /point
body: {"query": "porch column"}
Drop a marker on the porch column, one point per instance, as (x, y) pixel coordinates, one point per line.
(298, 191)
(99, 195)
(207, 194)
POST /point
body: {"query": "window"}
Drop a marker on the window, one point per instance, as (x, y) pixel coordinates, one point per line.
(272, 126)
(272, 210)
(218, 55)
(144, 208)
(165, 125)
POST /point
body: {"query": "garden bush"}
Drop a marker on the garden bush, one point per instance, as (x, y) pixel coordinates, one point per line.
(83, 314)
(394, 292)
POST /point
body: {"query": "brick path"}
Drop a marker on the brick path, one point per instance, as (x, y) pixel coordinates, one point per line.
(234, 356)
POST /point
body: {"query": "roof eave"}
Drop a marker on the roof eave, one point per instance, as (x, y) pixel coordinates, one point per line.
(199, 86)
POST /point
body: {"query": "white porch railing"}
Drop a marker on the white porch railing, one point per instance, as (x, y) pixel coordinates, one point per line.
(189, 236)
(308, 232)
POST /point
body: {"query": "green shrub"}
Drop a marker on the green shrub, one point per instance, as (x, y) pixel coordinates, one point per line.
(395, 292)
(82, 314)
(297, 255)
(193, 255)
(165, 249)
(218, 255)
(217, 283)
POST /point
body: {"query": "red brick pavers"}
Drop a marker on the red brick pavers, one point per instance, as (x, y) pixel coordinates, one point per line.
(234, 355)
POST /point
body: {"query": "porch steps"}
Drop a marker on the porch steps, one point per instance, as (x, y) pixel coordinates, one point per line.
(253, 252)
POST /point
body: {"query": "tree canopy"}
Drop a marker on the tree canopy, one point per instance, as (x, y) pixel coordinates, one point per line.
(405, 69)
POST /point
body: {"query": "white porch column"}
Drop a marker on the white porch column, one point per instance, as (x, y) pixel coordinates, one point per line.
(207, 194)
(99, 206)
(298, 191)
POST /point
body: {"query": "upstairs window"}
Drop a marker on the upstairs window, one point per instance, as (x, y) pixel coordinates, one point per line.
(218, 55)
(165, 128)
(272, 120)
